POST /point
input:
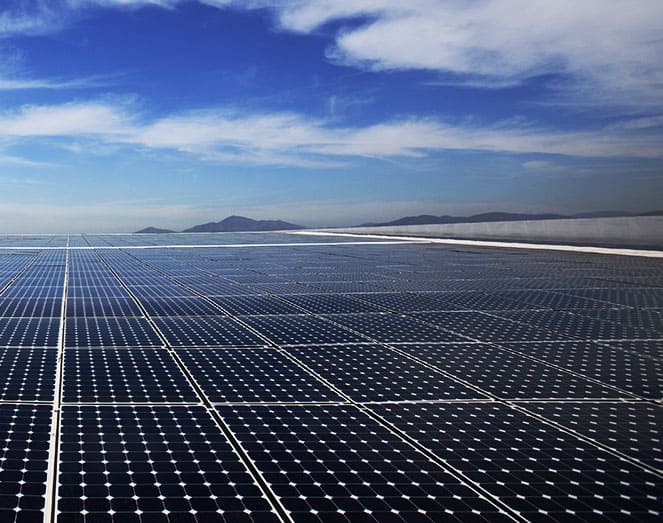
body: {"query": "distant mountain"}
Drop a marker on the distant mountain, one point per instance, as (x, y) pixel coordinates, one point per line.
(427, 219)
(242, 224)
(153, 230)
(604, 214)
(512, 217)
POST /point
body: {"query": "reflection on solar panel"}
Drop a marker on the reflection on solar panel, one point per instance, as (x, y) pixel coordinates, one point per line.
(272, 377)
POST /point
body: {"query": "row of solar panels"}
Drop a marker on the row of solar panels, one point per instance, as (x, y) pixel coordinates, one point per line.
(330, 462)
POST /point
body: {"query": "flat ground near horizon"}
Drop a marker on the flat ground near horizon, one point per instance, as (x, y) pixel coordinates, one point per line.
(267, 377)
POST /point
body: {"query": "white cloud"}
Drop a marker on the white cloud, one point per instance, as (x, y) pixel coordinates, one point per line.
(17, 161)
(74, 119)
(289, 139)
(609, 48)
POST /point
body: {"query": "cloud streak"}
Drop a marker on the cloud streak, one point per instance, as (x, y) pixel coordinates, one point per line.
(290, 139)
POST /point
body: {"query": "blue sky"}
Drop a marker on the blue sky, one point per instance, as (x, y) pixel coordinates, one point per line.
(118, 114)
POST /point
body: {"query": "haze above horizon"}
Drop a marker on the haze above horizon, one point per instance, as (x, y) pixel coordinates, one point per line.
(119, 114)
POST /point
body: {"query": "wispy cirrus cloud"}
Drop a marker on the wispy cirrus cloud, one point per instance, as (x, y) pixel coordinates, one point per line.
(18, 161)
(291, 139)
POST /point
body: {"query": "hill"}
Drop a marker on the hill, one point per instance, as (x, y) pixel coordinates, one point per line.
(242, 224)
(153, 230)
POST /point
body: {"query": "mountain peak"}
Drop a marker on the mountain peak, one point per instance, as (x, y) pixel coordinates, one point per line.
(153, 230)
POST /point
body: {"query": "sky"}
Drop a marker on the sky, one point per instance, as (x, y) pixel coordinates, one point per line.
(121, 114)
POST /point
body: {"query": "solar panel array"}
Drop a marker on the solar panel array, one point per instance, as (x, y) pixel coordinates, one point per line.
(274, 377)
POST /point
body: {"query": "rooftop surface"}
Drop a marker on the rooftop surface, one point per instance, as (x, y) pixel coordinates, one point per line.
(288, 377)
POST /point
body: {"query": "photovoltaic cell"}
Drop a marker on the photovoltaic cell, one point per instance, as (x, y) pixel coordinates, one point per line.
(484, 327)
(106, 306)
(33, 292)
(103, 292)
(650, 348)
(178, 306)
(571, 325)
(254, 305)
(332, 303)
(650, 320)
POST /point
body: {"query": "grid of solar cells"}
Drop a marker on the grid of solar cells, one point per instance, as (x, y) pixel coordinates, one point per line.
(507, 374)
(253, 375)
(27, 374)
(358, 382)
(110, 332)
(30, 308)
(539, 470)
(628, 371)
(374, 373)
(29, 332)
(631, 428)
(122, 375)
(211, 331)
(334, 463)
(392, 328)
(24, 432)
(302, 330)
(158, 464)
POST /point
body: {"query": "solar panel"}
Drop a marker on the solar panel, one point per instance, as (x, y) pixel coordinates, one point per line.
(535, 468)
(633, 429)
(301, 330)
(29, 332)
(123, 375)
(27, 374)
(152, 464)
(333, 462)
(625, 370)
(374, 373)
(30, 308)
(210, 331)
(507, 374)
(252, 375)
(278, 377)
(110, 332)
(24, 431)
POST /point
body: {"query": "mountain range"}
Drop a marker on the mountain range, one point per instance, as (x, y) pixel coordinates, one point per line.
(242, 224)
(427, 219)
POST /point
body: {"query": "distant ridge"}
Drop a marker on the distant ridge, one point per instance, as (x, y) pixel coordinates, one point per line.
(242, 224)
(153, 230)
(427, 219)
(232, 224)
